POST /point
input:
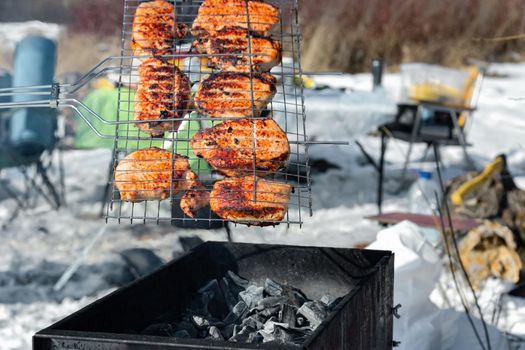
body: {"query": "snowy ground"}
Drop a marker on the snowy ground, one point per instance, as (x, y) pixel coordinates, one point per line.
(39, 244)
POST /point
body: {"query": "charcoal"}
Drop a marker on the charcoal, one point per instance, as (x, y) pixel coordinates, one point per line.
(182, 334)
(200, 322)
(260, 318)
(198, 305)
(239, 281)
(271, 311)
(255, 338)
(243, 335)
(188, 327)
(315, 312)
(300, 321)
(269, 326)
(227, 332)
(267, 337)
(282, 335)
(239, 312)
(159, 329)
(240, 338)
(246, 329)
(216, 302)
(252, 322)
(270, 302)
(299, 335)
(252, 295)
(236, 329)
(230, 292)
(298, 297)
(287, 314)
(249, 313)
(215, 333)
(325, 299)
(273, 288)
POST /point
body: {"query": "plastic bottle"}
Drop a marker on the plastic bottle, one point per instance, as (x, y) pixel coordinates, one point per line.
(423, 194)
(423, 201)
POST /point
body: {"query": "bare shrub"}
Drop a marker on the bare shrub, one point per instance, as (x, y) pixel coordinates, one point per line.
(353, 32)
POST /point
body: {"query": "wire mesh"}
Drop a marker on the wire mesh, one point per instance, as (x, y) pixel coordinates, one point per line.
(160, 172)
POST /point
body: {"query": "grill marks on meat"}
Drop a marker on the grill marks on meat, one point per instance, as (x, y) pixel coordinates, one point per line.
(229, 95)
(235, 50)
(232, 199)
(215, 15)
(150, 174)
(154, 29)
(232, 147)
(164, 92)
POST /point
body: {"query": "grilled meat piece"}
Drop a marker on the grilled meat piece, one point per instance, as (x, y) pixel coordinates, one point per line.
(154, 29)
(229, 95)
(216, 14)
(149, 174)
(196, 197)
(232, 199)
(164, 92)
(231, 147)
(235, 50)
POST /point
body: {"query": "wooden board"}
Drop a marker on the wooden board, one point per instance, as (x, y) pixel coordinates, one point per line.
(423, 220)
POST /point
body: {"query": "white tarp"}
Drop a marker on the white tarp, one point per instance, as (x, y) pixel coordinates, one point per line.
(423, 326)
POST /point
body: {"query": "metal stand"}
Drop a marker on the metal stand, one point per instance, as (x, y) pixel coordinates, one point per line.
(412, 136)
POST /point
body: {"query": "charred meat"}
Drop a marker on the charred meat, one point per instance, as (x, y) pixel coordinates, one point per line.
(162, 98)
(230, 95)
(233, 199)
(232, 147)
(216, 14)
(154, 28)
(235, 49)
(153, 173)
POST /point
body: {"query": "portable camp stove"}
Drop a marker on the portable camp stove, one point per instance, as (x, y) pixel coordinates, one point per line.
(287, 108)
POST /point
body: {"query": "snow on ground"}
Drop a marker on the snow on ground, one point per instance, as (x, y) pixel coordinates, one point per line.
(39, 244)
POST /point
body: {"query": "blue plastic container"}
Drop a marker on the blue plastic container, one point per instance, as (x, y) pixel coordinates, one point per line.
(32, 130)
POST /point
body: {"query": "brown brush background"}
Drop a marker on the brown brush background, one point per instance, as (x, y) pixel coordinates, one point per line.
(340, 35)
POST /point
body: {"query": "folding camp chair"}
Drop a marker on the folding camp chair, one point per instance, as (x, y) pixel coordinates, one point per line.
(28, 139)
(430, 122)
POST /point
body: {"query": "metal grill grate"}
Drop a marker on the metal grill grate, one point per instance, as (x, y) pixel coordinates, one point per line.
(182, 120)
(286, 108)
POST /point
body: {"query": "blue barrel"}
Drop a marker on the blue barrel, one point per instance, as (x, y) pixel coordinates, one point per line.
(6, 81)
(32, 130)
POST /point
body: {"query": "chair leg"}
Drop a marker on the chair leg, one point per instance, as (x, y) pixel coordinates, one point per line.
(413, 136)
(55, 197)
(381, 171)
(462, 139)
(62, 175)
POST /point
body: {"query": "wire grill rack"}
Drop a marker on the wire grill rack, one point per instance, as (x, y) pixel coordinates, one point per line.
(286, 108)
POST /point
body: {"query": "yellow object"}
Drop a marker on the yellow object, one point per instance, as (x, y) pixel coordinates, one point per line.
(435, 91)
(102, 83)
(306, 82)
(430, 91)
(471, 84)
(495, 167)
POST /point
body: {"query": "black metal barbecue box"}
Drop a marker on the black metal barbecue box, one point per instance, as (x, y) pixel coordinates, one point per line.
(351, 289)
